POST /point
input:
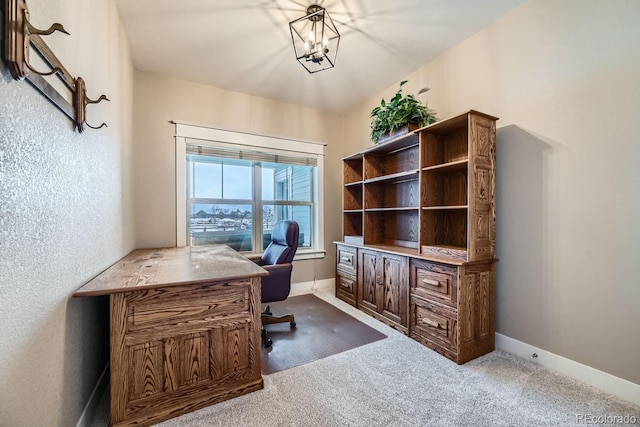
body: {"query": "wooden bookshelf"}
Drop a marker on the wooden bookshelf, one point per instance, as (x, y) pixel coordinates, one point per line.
(419, 234)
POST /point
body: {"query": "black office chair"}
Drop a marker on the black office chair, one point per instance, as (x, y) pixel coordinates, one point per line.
(277, 259)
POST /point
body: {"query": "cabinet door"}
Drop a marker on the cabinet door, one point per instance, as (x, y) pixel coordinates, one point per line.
(477, 311)
(368, 280)
(393, 287)
(179, 348)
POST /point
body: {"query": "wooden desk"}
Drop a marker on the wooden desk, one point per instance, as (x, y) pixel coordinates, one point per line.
(185, 330)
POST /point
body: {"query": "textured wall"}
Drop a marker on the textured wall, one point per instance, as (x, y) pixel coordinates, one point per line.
(563, 77)
(65, 215)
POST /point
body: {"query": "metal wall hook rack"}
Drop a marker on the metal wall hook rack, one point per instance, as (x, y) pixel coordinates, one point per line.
(20, 38)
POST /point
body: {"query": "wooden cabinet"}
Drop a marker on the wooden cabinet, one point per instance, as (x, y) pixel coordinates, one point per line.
(185, 330)
(419, 213)
(458, 188)
(452, 307)
(382, 283)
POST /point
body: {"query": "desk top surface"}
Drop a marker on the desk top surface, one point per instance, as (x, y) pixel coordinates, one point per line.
(154, 268)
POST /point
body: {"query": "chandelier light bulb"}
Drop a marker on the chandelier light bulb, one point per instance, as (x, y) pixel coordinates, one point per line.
(314, 36)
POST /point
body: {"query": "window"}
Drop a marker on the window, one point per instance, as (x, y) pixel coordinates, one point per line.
(235, 193)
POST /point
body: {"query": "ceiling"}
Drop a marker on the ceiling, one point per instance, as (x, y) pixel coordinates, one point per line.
(245, 45)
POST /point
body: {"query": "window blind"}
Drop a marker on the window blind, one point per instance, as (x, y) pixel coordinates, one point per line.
(198, 149)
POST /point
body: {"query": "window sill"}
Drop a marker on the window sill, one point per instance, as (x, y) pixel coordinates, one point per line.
(309, 254)
(299, 256)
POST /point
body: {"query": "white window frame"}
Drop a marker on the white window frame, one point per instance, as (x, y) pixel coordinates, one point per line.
(223, 137)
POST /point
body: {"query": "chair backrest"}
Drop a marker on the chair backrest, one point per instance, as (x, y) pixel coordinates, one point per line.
(284, 243)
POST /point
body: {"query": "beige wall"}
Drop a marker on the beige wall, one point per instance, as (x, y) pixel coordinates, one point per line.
(159, 99)
(563, 77)
(65, 215)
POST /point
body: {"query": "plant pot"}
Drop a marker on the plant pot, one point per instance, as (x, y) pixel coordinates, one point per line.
(401, 131)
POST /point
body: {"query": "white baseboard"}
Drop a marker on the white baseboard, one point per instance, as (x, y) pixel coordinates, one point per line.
(309, 287)
(94, 400)
(611, 384)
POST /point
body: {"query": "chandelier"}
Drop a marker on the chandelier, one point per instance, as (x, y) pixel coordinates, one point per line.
(315, 39)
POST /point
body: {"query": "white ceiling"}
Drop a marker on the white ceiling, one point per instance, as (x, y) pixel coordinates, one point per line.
(245, 45)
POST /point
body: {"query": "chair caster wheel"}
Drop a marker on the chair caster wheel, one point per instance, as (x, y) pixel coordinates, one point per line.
(292, 324)
(268, 343)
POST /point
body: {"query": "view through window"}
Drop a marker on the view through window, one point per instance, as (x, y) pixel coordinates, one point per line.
(235, 197)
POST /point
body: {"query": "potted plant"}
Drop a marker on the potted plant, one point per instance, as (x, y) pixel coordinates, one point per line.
(394, 118)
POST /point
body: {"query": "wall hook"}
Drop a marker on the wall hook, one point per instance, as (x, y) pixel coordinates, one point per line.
(53, 28)
(21, 37)
(29, 30)
(54, 70)
(18, 41)
(81, 100)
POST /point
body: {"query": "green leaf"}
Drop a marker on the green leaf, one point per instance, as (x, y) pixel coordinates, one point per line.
(398, 111)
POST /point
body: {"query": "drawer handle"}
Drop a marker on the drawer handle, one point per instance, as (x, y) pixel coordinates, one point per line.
(431, 323)
(346, 284)
(431, 282)
(345, 259)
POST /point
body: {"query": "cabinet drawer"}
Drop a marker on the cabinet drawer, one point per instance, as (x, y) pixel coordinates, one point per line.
(346, 284)
(346, 288)
(435, 322)
(346, 259)
(164, 307)
(434, 280)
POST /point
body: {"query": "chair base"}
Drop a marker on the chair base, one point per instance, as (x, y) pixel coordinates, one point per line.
(266, 341)
(268, 319)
